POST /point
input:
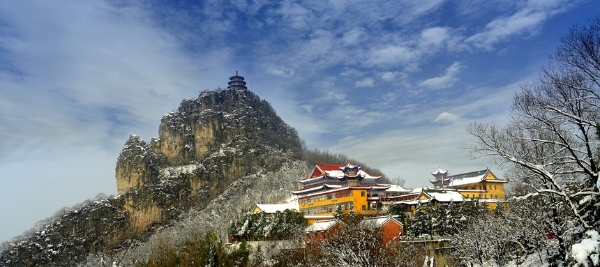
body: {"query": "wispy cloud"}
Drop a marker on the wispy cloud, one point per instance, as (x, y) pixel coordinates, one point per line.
(281, 71)
(526, 19)
(444, 81)
(392, 55)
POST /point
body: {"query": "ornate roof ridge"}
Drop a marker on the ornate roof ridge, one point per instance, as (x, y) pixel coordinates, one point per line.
(468, 174)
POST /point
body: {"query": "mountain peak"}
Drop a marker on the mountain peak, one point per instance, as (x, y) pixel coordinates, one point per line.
(219, 123)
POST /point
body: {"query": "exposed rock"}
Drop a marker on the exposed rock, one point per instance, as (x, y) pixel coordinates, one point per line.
(137, 165)
(203, 148)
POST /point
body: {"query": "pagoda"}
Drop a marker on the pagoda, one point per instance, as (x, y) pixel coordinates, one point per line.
(237, 82)
(441, 178)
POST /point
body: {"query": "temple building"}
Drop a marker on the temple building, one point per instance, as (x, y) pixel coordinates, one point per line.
(333, 187)
(237, 82)
(482, 185)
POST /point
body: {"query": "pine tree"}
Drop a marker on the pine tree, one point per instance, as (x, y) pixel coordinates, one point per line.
(339, 214)
(421, 223)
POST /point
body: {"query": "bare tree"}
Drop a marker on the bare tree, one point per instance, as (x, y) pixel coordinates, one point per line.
(552, 138)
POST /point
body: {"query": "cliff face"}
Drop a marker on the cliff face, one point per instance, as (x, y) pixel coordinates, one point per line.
(137, 165)
(202, 148)
(233, 127)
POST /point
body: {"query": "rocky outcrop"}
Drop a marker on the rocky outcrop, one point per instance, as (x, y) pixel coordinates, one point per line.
(202, 148)
(137, 165)
(230, 126)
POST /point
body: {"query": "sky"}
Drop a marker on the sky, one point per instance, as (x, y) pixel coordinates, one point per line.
(393, 84)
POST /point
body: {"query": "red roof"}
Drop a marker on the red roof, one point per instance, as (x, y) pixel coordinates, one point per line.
(320, 167)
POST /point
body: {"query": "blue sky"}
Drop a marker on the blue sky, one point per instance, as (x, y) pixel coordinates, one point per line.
(390, 83)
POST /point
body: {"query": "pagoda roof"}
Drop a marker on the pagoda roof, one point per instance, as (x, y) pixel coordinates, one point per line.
(437, 181)
(439, 171)
(337, 171)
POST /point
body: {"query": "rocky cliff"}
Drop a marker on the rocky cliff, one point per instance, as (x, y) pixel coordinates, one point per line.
(203, 149)
(232, 129)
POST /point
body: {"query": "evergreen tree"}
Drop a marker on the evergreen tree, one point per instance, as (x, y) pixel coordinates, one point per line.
(338, 213)
(421, 223)
(453, 219)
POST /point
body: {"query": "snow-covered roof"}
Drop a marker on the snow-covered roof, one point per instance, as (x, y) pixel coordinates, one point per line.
(468, 178)
(339, 174)
(337, 171)
(377, 221)
(439, 171)
(321, 226)
(438, 195)
(417, 190)
(273, 208)
(318, 217)
(446, 196)
(308, 180)
(397, 188)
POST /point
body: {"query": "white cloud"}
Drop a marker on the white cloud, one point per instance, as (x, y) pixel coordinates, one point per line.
(391, 55)
(366, 82)
(446, 117)
(353, 37)
(501, 29)
(389, 76)
(295, 15)
(444, 81)
(525, 20)
(351, 72)
(281, 71)
(434, 36)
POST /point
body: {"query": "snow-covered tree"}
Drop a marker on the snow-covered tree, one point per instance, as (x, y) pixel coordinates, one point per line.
(361, 245)
(552, 136)
(486, 239)
(280, 225)
(421, 223)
